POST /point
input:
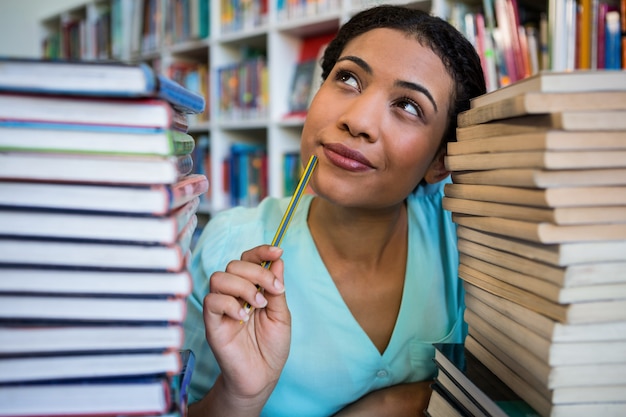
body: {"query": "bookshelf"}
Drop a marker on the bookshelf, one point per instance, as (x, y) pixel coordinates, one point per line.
(164, 33)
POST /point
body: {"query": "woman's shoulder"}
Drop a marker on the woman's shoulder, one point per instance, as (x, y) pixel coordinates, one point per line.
(425, 207)
(430, 190)
(428, 197)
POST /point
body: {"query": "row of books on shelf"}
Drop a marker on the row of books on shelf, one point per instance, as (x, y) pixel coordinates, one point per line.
(152, 24)
(540, 210)
(124, 29)
(97, 211)
(243, 15)
(243, 88)
(514, 41)
(80, 37)
(294, 9)
(244, 173)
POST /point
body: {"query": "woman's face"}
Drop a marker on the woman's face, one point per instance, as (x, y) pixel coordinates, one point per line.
(377, 121)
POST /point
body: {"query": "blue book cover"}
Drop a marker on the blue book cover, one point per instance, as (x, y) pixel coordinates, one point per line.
(613, 41)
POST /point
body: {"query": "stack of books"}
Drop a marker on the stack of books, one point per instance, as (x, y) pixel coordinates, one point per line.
(97, 209)
(539, 198)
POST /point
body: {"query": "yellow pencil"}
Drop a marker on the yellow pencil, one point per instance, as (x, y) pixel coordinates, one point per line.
(291, 208)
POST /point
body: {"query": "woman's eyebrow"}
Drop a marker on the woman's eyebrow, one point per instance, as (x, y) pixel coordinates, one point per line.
(419, 88)
(403, 84)
(364, 65)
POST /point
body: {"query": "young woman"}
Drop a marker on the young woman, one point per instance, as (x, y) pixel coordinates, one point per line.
(366, 278)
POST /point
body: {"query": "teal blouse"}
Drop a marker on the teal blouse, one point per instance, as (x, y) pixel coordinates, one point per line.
(332, 361)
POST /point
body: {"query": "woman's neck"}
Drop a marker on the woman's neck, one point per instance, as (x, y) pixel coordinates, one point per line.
(364, 236)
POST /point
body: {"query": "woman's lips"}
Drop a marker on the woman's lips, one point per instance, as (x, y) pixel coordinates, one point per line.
(346, 158)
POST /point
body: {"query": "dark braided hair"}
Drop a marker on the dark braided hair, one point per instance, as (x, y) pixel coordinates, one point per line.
(457, 54)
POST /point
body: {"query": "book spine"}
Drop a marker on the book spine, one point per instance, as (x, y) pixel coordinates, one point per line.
(613, 43)
(603, 9)
(505, 40)
(487, 57)
(584, 36)
(184, 165)
(150, 76)
(622, 8)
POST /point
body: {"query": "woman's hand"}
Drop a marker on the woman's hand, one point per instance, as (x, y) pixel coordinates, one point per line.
(251, 348)
(396, 401)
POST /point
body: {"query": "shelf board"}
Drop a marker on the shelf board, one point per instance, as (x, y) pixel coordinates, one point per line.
(190, 47)
(245, 37)
(243, 124)
(311, 25)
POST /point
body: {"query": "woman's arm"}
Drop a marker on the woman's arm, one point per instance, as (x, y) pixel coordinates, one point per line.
(251, 348)
(396, 401)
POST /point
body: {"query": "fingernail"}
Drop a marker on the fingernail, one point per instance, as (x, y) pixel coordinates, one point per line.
(243, 315)
(275, 249)
(279, 285)
(261, 301)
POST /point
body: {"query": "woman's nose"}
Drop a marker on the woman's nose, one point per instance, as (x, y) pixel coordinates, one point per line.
(362, 116)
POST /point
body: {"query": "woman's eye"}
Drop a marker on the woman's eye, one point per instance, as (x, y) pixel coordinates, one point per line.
(347, 78)
(410, 106)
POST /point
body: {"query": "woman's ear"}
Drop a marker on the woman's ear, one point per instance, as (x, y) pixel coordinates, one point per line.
(437, 170)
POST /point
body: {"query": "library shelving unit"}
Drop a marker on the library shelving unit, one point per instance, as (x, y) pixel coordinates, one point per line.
(156, 32)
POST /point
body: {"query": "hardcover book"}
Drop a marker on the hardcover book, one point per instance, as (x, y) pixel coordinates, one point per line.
(38, 308)
(93, 282)
(101, 79)
(88, 398)
(147, 199)
(554, 215)
(24, 369)
(550, 160)
(162, 230)
(67, 138)
(543, 232)
(546, 140)
(99, 113)
(443, 404)
(557, 82)
(544, 197)
(542, 178)
(78, 337)
(107, 169)
(539, 102)
(590, 121)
